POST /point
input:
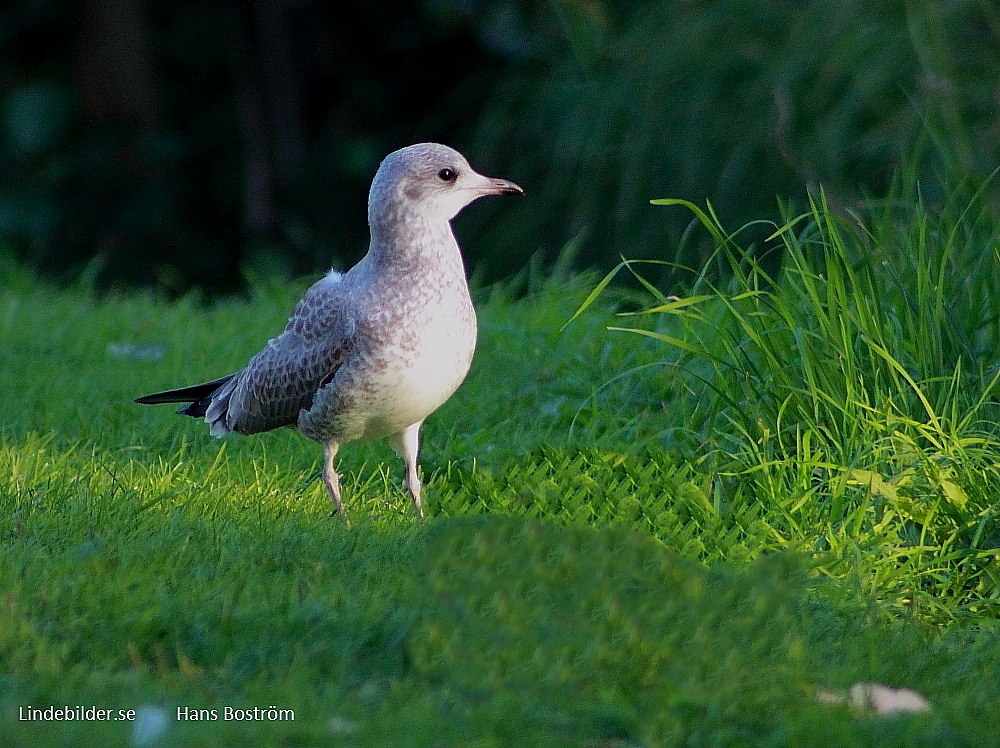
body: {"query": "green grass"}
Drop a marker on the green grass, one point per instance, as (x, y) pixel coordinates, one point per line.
(675, 535)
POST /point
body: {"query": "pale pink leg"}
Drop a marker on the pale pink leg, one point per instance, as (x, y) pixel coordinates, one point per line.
(331, 480)
(407, 443)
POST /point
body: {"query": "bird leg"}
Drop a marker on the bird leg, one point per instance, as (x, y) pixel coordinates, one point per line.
(331, 480)
(407, 443)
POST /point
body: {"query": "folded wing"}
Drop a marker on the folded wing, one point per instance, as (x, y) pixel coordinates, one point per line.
(283, 378)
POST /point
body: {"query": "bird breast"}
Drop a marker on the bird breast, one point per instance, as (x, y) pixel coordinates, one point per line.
(425, 362)
(409, 354)
(435, 369)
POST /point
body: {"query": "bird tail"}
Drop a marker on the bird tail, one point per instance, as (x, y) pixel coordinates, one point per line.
(198, 396)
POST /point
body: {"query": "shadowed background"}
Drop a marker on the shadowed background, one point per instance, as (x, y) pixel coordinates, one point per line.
(182, 144)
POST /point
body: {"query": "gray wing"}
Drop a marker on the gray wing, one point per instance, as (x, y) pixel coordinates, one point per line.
(284, 377)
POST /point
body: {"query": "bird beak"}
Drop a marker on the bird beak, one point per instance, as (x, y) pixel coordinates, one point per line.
(490, 186)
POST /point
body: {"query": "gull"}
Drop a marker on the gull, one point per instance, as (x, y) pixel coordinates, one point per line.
(372, 352)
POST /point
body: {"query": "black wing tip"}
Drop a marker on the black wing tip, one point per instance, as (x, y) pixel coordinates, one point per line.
(193, 395)
(197, 409)
(159, 398)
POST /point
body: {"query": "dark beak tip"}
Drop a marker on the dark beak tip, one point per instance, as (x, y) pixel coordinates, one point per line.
(506, 187)
(500, 187)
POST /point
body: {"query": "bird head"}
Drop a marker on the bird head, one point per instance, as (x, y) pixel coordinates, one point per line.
(432, 179)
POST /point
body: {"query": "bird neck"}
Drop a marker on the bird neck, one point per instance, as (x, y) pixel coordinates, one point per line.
(411, 242)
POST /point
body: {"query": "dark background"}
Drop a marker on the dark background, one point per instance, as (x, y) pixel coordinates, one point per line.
(189, 144)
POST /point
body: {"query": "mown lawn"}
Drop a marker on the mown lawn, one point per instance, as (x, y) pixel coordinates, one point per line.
(674, 536)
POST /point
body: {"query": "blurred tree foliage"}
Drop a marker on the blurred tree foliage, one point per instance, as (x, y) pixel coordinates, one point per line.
(184, 143)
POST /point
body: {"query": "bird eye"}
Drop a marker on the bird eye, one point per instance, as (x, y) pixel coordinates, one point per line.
(447, 175)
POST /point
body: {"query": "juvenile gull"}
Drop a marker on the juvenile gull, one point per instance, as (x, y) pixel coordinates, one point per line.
(373, 352)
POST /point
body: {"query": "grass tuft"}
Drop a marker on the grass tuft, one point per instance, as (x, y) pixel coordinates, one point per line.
(852, 394)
